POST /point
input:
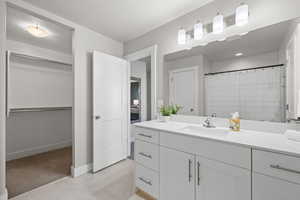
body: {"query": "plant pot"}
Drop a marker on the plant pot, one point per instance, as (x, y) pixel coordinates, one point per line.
(165, 118)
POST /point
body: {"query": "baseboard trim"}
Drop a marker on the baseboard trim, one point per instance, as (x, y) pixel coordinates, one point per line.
(4, 196)
(38, 150)
(78, 171)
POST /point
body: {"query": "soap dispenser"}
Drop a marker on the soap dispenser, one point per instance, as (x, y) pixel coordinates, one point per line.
(235, 122)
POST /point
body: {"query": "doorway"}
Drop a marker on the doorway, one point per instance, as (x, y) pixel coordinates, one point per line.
(143, 67)
(135, 99)
(183, 85)
(39, 65)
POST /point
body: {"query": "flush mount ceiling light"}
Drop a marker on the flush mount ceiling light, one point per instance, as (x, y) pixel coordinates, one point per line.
(239, 54)
(37, 31)
(242, 15)
(181, 36)
(198, 31)
(218, 24)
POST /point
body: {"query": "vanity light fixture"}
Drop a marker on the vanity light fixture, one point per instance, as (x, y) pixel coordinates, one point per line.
(242, 15)
(182, 36)
(239, 54)
(218, 24)
(37, 31)
(198, 31)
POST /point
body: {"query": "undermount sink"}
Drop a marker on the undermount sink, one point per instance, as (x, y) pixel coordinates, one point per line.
(203, 130)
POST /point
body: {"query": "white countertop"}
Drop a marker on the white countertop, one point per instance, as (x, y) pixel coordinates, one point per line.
(253, 139)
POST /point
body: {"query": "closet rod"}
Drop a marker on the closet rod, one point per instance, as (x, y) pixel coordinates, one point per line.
(44, 109)
(239, 70)
(38, 58)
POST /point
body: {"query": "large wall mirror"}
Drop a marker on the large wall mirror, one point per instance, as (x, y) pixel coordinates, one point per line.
(254, 74)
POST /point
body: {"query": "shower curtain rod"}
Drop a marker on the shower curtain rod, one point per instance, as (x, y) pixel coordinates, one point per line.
(239, 70)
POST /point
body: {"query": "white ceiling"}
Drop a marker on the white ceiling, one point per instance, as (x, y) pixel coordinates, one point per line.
(260, 41)
(122, 20)
(60, 38)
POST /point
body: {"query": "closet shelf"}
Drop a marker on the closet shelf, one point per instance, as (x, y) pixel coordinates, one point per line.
(38, 58)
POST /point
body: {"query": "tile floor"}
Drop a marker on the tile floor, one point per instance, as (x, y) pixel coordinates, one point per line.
(114, 183)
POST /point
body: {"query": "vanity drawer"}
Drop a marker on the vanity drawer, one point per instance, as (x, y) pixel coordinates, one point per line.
(277, 165)
(147, 154)
(214, 150)
(147, 135)
(147, 180)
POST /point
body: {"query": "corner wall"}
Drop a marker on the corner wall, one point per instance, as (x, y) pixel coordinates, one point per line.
(3, 192)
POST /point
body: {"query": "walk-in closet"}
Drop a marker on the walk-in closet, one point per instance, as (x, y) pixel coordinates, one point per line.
(39, 101)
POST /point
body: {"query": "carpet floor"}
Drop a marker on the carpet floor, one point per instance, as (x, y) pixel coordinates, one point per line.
(26, 174)
(113, 183)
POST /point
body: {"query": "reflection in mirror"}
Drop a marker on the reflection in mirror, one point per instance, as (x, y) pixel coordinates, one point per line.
(135, 99)
(253, 74)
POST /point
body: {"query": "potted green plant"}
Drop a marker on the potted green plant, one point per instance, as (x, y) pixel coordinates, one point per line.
(175, 109)
(165, 112)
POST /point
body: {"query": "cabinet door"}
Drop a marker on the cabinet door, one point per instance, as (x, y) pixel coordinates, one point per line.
(216, 180)
(177, 180)
(269, 188)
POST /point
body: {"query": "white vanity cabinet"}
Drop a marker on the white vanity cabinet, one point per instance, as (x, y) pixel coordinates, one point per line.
(190, 177)
(216, 180)
(175, 166)
(275, 176)
(147, 160)
(177, 180)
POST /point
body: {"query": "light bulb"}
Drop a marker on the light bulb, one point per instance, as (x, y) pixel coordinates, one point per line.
(181, 36)
(218, 24)
(242, 15)
(198, 31)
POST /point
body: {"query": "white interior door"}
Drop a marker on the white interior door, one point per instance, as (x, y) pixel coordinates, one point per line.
(110, 110)
(184, 84)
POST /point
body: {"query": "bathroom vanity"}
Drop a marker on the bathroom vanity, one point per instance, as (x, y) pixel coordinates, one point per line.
(185, 161)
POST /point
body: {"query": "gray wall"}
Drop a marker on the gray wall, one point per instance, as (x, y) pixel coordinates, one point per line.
(30, 133)
(265, 59)
(2, 100)
(263, 13)
(85, 42)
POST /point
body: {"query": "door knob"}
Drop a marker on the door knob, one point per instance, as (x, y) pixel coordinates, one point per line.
(97, 117)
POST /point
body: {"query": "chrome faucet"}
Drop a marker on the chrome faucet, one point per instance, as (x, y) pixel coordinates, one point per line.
(208, 123)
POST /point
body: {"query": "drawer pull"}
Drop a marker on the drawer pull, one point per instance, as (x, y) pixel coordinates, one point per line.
(145, 155)
(284, 169)
(145, 181)
(190, 170)
(198, 172)
(144, 135)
